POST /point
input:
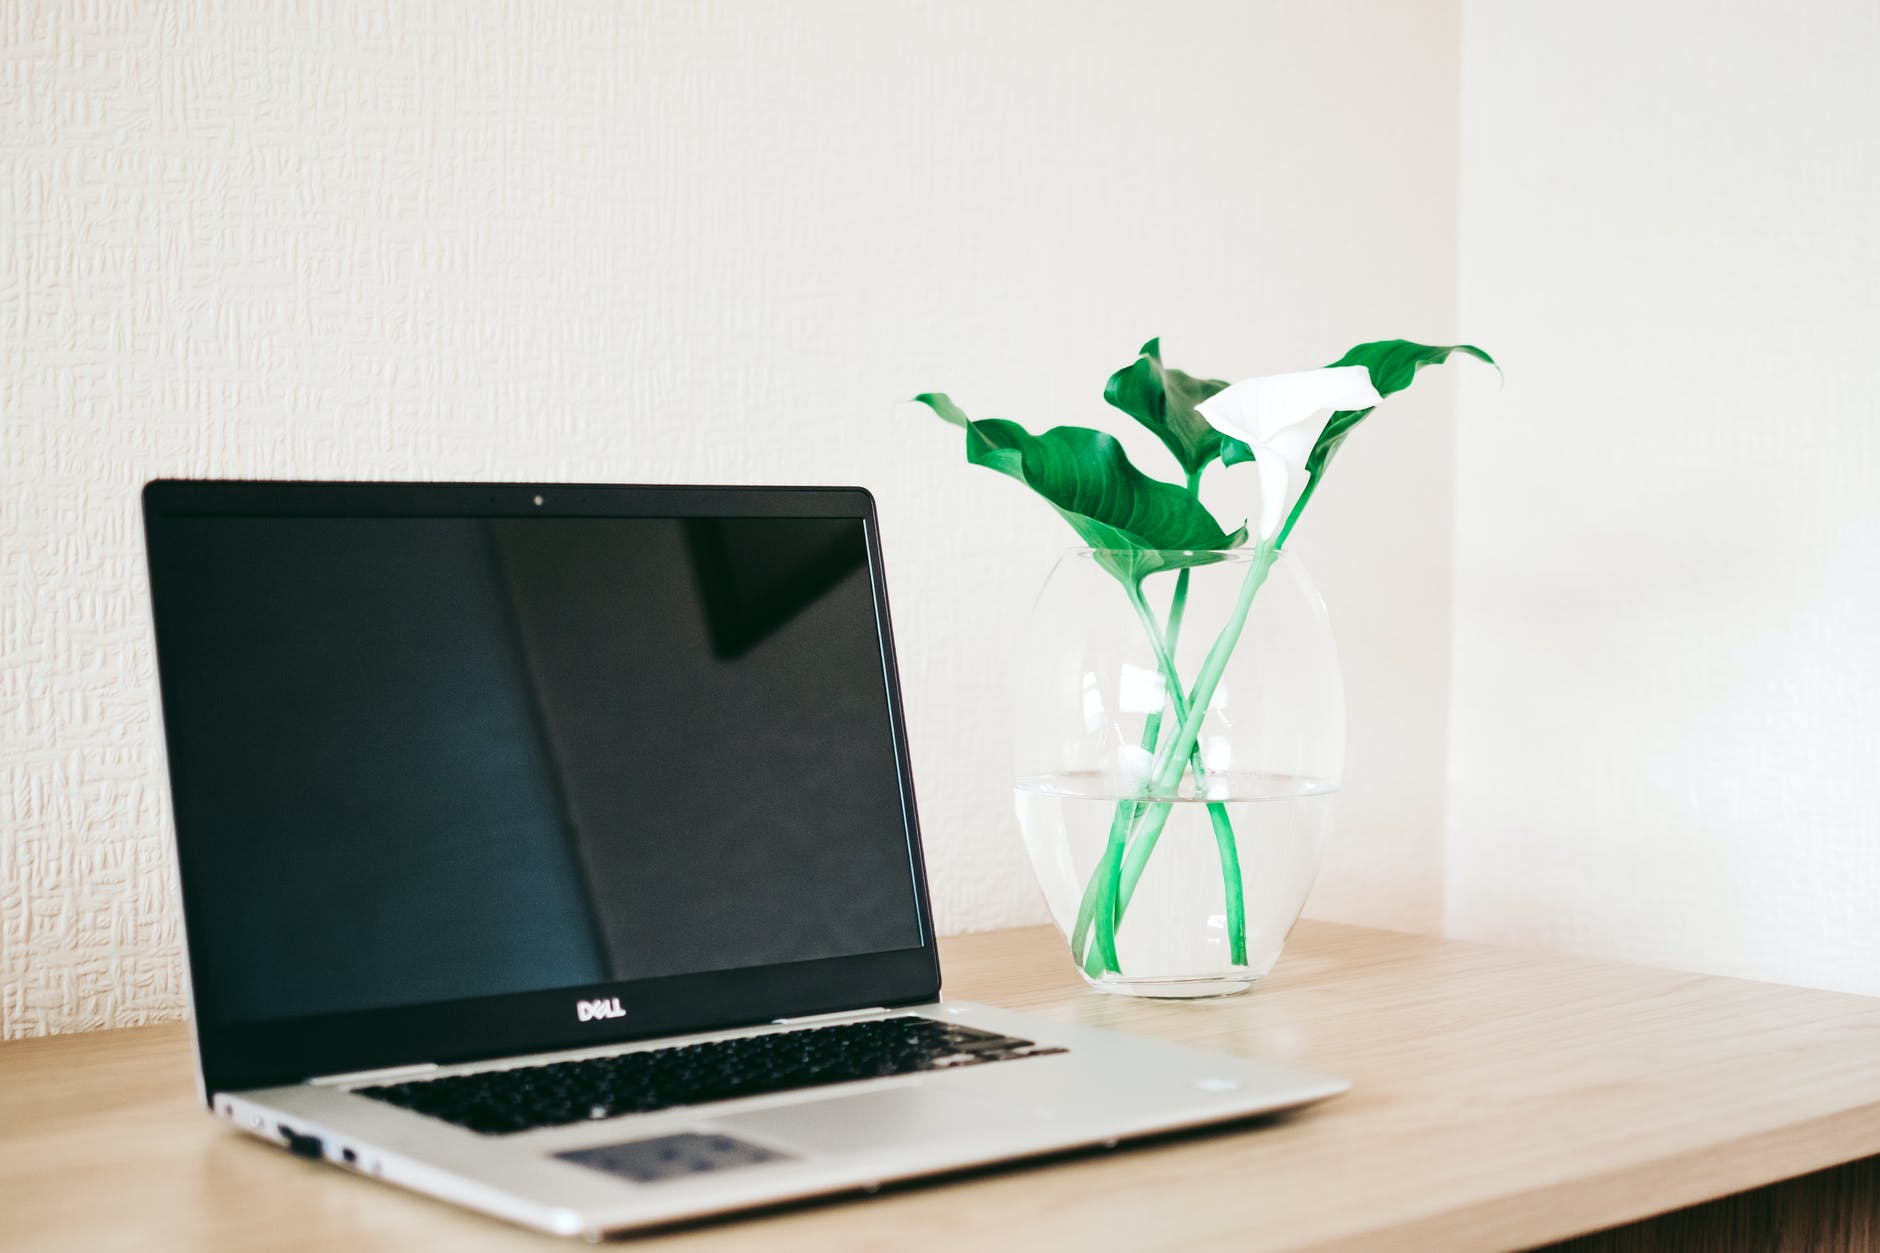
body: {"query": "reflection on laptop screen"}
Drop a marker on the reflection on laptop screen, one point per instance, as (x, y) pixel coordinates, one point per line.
(427, 759)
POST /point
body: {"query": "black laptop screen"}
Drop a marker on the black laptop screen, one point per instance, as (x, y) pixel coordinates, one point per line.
(425, 759)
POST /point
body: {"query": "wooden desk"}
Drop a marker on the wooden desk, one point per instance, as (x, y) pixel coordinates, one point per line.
(1504, 1099)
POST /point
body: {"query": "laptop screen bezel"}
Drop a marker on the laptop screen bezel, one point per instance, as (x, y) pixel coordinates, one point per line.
(247, 1055)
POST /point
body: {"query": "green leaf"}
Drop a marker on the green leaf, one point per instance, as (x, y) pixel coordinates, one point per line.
(1164, 400)
(1088, 478)
(1393, 364)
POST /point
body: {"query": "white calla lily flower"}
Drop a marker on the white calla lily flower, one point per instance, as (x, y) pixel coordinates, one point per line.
(1281, 417)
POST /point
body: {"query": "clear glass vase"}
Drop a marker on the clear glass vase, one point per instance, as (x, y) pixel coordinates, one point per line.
(1180, 740)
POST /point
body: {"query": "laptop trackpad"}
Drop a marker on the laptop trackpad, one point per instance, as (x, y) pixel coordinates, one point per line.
(912, 1114)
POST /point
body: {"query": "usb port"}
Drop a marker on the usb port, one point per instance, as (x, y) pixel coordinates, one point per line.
(300, 1145)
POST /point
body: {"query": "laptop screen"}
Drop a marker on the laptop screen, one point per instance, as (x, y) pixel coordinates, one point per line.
(422, 759)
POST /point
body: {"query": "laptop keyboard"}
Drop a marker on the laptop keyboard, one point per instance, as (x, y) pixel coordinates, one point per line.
(501, 1102)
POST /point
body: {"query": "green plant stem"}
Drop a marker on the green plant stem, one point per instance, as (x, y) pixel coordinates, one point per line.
(1299, 507)
(1232, 886)
(1174, 757)
(1225, 844)
(1100, 891)
(1099, 900)
(1233, 889)
(1100, 911)
(1155, 817)
(1100, 895)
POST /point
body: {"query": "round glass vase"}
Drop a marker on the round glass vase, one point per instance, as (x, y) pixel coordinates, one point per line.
(1180, 740)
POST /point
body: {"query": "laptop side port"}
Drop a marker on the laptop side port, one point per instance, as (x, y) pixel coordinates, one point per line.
(301, 1145)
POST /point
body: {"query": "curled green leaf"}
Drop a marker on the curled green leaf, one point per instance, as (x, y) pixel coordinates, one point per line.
(1393, 363)
(1090, 481)
(1164, 400)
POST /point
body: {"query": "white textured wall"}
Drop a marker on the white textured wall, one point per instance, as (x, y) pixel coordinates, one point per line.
(684, 242)
(1667, 665)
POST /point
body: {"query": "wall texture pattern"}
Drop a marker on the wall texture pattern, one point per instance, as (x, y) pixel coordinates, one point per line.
(1666, 699)
(684, 242)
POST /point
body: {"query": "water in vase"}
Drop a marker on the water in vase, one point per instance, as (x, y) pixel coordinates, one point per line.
(1175, 919)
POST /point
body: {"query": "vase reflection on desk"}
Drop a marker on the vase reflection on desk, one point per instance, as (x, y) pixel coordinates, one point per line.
(1177, 845)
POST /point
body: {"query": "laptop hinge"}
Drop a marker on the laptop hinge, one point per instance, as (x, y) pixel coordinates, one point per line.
(389, 1072)
(841, 1013)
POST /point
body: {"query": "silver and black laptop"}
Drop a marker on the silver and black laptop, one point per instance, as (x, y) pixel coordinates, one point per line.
(552, 850)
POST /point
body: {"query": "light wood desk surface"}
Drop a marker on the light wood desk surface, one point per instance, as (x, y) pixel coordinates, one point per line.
(1504, 1099)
